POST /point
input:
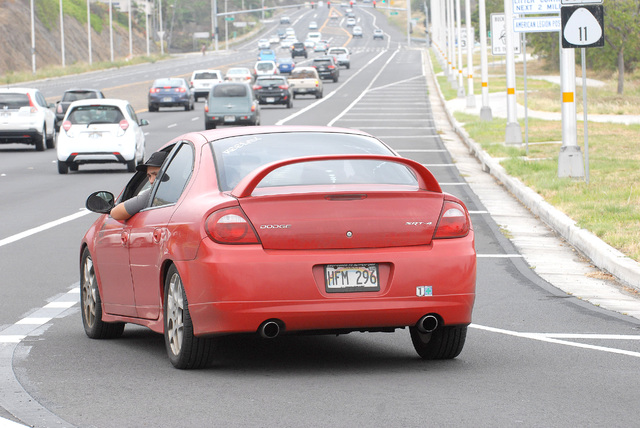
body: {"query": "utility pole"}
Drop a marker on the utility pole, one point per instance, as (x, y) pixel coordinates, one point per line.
(485, 110)
(89, 30)
(62, 34)
(111, 29)
(33, 39)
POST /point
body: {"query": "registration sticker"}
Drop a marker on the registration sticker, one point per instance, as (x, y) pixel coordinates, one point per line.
(345, 278)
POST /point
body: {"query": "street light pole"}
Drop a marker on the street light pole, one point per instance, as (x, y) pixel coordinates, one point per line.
(62, 34)
(89, 31)
(161, 30)
(226, 27)
(130, 35)
(33, 40)
(111, 30)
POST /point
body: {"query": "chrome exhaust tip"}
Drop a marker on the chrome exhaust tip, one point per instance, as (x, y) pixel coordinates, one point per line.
(269, 329)
(427, 324)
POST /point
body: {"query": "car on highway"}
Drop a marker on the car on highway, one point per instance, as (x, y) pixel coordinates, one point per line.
(202, 81)
(356, 31)
(71, 95)
(320, 46)
(263, 44)
(274, 39)
(265, 68)
(170, 92)
(280, 230)
(313, 25)
(309, 43)
(378, 34)
(266, 55)
(231, 103)
(273, 90)
(285, 20)
(238, 74)
(314, 35)
(341, 55)
(27, 118)
(327, 67)
(351, 22)
(298, 49)
(287, 42)
(305, 80)
(100, 131)
(285, 65)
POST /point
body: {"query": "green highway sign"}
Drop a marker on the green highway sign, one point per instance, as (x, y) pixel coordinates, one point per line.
(229, 18)
(394, 13)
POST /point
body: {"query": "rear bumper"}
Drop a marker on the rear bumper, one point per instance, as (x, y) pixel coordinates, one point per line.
(226, 118)
(25, 135)
(234, 289)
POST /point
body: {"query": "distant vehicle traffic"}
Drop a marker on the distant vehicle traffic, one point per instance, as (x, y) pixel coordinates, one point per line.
(286, 65)
(272, 90)
(356, 31)
(170, 92)
(298, 49)
(25, 117)
(327, 68)
(266, 55)
(305, 81)
(263, 44)
(202, 81)
(341, 55)
(70, 96)
(378, 34)
(265, 68)
(100, 131)
(239, 74)
(231, 103)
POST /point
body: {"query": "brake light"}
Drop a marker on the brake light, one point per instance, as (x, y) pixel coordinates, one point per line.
(230, 226)
(256, 87)
(33, 109)
(454, 221)
(317, 83)
(253, 108)
(154, 90)
(283, 86)
(181, 90)
(66, 125)
(331, 67)
(206, 108)
(124, 124)
(248, 77)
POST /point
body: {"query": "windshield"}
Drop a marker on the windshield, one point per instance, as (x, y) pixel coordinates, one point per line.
(207, 75)
(236, 157)
(14, 101)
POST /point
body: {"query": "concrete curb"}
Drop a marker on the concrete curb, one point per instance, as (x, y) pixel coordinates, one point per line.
(601, 254)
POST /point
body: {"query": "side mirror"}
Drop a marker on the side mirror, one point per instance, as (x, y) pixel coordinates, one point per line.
(144, 122)
(100, 202)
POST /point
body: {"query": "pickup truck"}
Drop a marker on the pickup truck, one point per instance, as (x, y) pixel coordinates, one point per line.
(305, 80)
(341, 56)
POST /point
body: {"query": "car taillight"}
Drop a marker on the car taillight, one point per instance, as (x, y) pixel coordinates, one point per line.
(66, 125)
(317, 84)
(59, 109)
(230, 226)
(331, 67)
(154, 90)
(253, 108)
(283, 86)
(206, 108)
(256, 87)
(124, 124)
(454, 222)
(248, 78)
(181, 90)
(33, 109)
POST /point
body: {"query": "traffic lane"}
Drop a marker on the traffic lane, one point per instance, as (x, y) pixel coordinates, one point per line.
(252, 377)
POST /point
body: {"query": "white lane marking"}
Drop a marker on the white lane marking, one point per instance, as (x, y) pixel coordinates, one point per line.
(498, 256)
(321, 100)
(6, 423)
(173, 125)
(551, 338)
(42, 228)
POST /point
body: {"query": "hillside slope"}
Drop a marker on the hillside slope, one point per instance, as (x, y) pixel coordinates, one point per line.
(15, 56)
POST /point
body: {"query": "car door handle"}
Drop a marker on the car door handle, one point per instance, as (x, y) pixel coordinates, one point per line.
(124, 238)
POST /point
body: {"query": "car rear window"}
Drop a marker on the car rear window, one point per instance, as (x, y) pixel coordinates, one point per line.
(236, 157)
(338, 51)
(14, 101)
(207, 75)
(85, 115)
(264, 66)
(304, 74)
(168, 83)
(268, 82)
(322, 61)
(78, 95)
(229, 91)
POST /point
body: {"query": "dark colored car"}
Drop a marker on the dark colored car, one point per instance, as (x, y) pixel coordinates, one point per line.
(171, 92)
(272, 90)
(327, 68)
(231, 103)
(298, 49)
(70, 96)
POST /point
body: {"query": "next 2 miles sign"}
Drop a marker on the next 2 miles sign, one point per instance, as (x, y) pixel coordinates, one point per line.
(524, 7)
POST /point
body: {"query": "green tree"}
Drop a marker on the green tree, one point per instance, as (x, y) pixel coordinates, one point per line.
(622, 27)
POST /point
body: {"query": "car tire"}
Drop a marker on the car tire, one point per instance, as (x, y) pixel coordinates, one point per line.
(51, 141)
(152, 107)
(348, 66)
(73, 167)
(319, 95)
(91, 303)
(335, 79)
(209, 125)
(187, 106)
(185, 350)
(290, 103)
(63, 168)
(444, 343)
(41, 140)
(131, 165)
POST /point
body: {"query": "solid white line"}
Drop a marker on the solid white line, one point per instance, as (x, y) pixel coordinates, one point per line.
(548, 338)
(6, 423)
(34, 321)
(42, 228)
(13, 338)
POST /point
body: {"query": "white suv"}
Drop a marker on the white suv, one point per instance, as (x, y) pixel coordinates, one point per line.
(25, 117)
(202, 81)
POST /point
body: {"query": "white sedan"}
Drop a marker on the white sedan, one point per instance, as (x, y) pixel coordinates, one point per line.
(100, 131)
(263, 44)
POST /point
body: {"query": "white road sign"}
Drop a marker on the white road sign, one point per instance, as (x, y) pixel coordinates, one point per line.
(537, 24)
(582, 26)
(523, 7)
(499, 36)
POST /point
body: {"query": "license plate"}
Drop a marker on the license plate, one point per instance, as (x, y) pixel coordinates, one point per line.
(351, 277)
(301, 90)
(167, 99)
(229, 118)
(271, 100)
